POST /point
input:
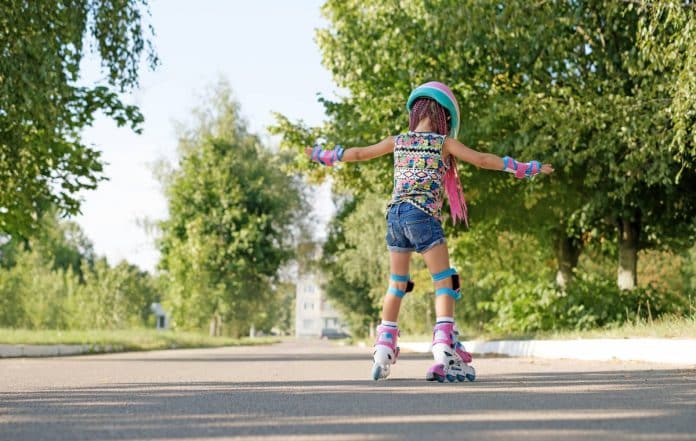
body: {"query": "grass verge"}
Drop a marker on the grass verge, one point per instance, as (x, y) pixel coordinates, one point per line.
(664, 327)
(125, 340)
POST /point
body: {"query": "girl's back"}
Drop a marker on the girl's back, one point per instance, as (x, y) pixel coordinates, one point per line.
(419, 170)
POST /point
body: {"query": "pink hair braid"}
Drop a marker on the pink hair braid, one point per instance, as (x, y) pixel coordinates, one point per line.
(426, 107)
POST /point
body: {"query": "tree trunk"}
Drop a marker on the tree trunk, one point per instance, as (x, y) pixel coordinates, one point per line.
(212, 327)
(629, 233)
(215, 325)
(567, 251)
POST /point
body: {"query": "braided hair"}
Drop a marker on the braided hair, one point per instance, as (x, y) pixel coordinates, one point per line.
(440, 121)
(428, 108)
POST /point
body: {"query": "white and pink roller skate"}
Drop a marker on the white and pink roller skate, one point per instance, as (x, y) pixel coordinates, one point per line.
(451, 359)
(386, 351)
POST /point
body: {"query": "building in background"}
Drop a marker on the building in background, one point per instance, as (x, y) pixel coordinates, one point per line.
(314, 315)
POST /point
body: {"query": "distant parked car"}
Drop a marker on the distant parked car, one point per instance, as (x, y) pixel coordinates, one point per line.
(332, 334)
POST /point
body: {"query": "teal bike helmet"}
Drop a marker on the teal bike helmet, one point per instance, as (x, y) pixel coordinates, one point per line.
(443, 96)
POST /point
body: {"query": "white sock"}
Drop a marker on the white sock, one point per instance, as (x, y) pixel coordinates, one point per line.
(388, 323)
(444, 320)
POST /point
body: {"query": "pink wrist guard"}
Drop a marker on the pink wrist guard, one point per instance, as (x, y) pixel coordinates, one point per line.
(521, 169)
(327, 157)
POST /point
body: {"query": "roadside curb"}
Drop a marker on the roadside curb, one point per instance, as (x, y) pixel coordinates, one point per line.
(14, 351)
(675, 351)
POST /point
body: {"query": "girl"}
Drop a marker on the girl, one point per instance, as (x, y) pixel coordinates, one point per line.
(424, 164)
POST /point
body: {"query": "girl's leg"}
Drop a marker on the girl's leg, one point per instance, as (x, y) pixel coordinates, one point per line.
(399, 265)
(437, 260)
(386, 347)
(450, 356)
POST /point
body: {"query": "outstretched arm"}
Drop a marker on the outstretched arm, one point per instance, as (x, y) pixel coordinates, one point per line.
(353, 154)
(493, 162)
(366, 153)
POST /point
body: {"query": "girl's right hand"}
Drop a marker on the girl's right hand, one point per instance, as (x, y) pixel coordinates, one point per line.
(325, 157)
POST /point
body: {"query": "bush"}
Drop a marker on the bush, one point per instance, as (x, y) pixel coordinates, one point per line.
(34, 295)
(589, 302)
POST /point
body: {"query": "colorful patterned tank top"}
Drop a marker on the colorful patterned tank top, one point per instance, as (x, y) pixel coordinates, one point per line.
(419, 171)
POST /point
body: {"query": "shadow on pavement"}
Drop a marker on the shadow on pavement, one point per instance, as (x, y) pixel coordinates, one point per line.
(629, 405)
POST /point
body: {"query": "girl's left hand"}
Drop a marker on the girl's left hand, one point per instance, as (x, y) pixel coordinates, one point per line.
(547, 169)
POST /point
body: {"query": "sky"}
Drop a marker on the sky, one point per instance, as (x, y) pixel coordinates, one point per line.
(265, 49)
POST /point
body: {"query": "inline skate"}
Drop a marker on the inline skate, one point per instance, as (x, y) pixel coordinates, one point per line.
(386, 351)
(451, 359)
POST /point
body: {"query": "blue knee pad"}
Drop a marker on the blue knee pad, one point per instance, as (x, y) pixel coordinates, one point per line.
(454, 291)
(397, 278)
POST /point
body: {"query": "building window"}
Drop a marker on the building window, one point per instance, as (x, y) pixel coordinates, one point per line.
(308, 306)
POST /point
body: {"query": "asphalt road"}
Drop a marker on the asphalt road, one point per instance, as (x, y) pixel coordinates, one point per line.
(321, 391)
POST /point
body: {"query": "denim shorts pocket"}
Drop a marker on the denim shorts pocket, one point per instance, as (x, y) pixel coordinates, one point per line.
(419, 231)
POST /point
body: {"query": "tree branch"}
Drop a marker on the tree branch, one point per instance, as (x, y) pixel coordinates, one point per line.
(687, 4)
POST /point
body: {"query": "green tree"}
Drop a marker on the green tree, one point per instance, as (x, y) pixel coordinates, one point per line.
(281, 316)
(55, 281)
(61, 240)
(11, 311)
(689, 279)
(111, 297)
(667, 35)
(459, 44)
(355, 260)
(561, 81)
(43, 106)
(36, 296)
(234, 215)
(609, 114)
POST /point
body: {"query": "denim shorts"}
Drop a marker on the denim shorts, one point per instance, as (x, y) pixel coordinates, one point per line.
(410, 229)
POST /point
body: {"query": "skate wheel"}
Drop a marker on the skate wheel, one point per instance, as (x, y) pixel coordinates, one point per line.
(471, 375)
(432, 376)
(451, 378)
(461, 377)
(436, 373)
(376, 372)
